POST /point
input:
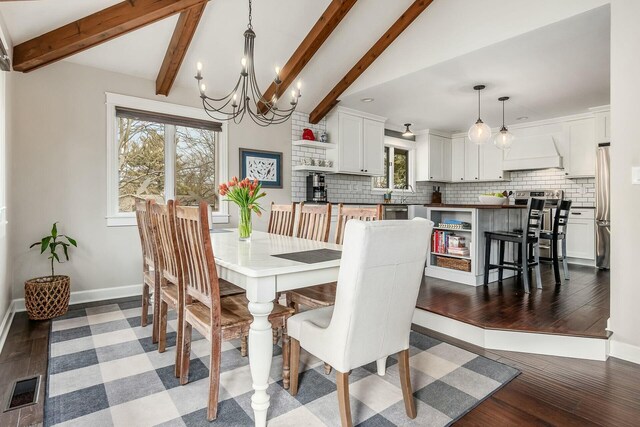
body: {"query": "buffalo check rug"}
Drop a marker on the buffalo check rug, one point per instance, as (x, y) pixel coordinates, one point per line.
(104, 371)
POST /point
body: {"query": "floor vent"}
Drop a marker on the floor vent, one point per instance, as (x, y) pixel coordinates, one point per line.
(24, 393)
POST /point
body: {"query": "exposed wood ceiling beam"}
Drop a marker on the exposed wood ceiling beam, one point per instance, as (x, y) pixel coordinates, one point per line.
(328, 21)
(92, 30)
(376, 50)
(178, 46)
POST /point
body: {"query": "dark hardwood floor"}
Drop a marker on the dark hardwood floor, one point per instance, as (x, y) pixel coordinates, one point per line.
(579, 307)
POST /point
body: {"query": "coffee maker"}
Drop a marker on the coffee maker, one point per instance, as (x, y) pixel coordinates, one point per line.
(316, 190)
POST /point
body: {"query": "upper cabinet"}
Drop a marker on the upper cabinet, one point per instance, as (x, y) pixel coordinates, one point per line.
(433, 158)
(603, 126)
(471, 158)
(581, 137)
(360, 142)
(490, 163)
(457, 159)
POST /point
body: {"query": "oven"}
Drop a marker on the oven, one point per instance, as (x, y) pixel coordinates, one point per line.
(551, 198)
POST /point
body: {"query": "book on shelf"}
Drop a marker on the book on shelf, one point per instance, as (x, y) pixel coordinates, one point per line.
(458, 251)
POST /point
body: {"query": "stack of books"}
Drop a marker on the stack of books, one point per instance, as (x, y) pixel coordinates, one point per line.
(446, 242)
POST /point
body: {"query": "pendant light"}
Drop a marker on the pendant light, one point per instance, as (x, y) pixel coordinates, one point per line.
(479, 133)
(504, 138)
(407, 132)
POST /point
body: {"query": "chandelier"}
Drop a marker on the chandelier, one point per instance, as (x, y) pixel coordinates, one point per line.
(246, 97)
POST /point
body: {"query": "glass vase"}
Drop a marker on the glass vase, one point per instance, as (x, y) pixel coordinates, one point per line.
(244, 224)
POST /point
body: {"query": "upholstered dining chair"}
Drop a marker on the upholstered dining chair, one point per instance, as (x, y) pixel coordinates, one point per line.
(314, 222)
(214, 317)
(380, 274)
(150, 275)
(282, 219)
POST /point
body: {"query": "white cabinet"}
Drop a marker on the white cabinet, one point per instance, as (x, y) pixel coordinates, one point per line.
(490, 160)
(433, 158)
(457, 159)
(471, 158)
(360, 142)
(603, 126)
(581, 135)
(581, 235)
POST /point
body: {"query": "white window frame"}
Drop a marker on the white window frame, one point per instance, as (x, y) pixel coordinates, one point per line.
(113, 100)
(410, 146)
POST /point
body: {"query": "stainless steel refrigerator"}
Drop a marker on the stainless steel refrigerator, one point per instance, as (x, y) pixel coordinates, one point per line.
(603, 204)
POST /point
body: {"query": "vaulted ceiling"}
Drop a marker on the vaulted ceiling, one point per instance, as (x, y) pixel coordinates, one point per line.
(448, 29)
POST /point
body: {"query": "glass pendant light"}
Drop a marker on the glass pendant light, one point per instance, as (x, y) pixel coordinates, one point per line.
(407, 132)
(504, 138)
(479, 133)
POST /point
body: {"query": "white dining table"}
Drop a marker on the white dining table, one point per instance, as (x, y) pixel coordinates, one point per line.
(253, 266)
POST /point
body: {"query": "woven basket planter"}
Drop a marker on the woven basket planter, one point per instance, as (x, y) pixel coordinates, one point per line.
(47, 297)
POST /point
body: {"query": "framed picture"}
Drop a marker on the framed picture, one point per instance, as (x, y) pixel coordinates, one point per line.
(265, 166)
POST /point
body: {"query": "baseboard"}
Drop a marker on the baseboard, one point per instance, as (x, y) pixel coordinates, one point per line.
(523, 342)
(6, 324)
(91, 295)
(624, 351)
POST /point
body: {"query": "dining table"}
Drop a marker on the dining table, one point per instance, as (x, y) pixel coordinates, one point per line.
(264, 266)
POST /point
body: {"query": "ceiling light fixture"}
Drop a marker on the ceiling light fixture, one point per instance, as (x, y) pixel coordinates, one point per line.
(367, 100)
(407, 132)
(479, 133)
(246, 96)
(504, 138)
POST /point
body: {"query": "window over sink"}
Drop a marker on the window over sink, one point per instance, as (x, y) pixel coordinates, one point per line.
(399, 158)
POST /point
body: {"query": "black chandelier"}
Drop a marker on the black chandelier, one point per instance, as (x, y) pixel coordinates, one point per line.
(246, 97)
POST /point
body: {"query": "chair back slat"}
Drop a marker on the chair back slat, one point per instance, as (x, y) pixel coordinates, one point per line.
(165, 238)
(533, 223)
(561, 218)
(144, 229)
(346, 214)
(281, 219)
(314, 222)
(199, 271)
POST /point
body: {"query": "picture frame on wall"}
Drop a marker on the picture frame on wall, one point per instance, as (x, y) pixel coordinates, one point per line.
(265, 166)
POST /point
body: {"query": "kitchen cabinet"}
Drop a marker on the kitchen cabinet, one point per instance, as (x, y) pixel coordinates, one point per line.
(457, 159)
(603, 126)
(581, 135)
(359, 138)
(433, 153)
(471, 158)
(490, 163)
(581, 235)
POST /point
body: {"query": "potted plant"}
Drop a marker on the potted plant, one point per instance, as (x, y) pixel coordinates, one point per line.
(245, 194)
(48, 297)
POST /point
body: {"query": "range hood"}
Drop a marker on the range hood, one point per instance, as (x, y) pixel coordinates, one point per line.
(533, 152)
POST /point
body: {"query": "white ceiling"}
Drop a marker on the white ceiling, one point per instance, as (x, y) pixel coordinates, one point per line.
(556, 70)
(448, 29)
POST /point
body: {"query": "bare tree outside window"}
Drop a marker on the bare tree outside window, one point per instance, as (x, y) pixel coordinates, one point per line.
(196, 176)
(400, 168)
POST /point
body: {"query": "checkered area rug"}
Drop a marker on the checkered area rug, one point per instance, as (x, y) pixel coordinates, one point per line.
(104, 371)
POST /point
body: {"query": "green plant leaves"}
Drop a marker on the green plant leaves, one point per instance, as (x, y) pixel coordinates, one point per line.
(72, 241)
(54, 230)
(51, 242)
(44, 244)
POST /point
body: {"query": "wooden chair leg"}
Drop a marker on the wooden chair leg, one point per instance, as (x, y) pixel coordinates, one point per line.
(501, 262)
(487, 259)
(342, 379)
(186, 353)
(286, 359)
(275, 336)
(179, 338)
(214, 377)
(243, 345)
(294, 358)
(156, 315)
(565, 264)
(555, 260)
(405, 382)
(162, 327)
(525, 266)
(327, 368)
(145, 305)
(536, 258)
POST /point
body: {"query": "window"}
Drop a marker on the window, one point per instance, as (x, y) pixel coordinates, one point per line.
(161, 151)
(398, 158)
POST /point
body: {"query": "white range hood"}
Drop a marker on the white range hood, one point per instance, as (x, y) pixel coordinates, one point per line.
(533, 152)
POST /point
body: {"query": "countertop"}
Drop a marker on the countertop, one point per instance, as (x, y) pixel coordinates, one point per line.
(474, 206)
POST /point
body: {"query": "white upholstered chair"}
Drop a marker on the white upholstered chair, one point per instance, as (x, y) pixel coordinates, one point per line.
(380, 274)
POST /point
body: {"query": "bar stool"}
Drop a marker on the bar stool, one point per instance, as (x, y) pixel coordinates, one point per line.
(528, 237)
(558, 234)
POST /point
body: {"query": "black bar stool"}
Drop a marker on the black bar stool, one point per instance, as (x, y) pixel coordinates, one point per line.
(556, 234)
(528, 237)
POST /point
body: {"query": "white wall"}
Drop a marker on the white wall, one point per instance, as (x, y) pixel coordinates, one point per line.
(58, 167)
(625, 197)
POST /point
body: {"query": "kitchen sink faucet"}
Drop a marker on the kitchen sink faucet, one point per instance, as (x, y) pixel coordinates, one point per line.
(403, 198)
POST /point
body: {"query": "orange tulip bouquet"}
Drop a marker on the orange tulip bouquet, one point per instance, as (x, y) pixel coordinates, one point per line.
(245, 194)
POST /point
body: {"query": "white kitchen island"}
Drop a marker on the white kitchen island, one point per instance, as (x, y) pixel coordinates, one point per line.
(469, 269)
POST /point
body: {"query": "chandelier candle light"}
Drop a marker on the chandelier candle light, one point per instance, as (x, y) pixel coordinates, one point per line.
(246, 97)
(245, 194)
(479, 133)
(504, 138)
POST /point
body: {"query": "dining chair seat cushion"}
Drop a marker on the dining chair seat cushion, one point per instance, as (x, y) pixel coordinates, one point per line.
(234, 312)
(378, 283)
(323, 295)
(228, 288)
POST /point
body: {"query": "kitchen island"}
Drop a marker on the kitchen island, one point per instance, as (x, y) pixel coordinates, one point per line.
(465, 224)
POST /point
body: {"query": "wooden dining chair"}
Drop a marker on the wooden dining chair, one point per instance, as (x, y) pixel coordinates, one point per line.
(314, 222)
(214, 317)
(150, 279)
(281, 219)
(380, 275)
